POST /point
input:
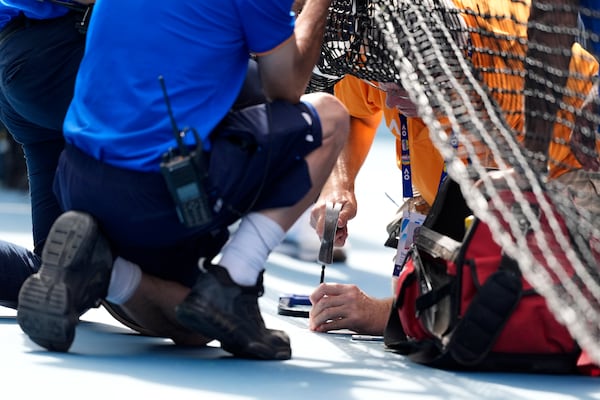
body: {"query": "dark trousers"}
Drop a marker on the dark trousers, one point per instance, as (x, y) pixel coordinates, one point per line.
(38, 65)
(249, 169)
(16, 264)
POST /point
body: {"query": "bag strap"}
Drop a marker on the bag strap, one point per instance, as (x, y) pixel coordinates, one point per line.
(393, 334)
(436, 244)
(395, 339)
(439, 246)
(488, 312)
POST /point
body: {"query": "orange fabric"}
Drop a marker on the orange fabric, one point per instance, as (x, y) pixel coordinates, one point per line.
(365, 101)
(506, 87)
(561, 158)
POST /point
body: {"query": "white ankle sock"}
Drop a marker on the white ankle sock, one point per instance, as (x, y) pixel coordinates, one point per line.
(245, 254)
(124, 280)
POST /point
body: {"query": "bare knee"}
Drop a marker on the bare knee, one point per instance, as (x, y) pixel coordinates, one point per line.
(334, 117)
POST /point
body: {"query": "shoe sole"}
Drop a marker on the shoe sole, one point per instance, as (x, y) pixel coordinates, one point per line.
(44, 311)
(210, 322)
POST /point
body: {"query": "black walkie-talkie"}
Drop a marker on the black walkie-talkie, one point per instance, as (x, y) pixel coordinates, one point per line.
(185, 175)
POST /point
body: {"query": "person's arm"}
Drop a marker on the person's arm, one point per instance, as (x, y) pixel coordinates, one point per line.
(345, 306)
(539, 128)
(297, 6)
(339, 187)
(583, 145)
(286, 71)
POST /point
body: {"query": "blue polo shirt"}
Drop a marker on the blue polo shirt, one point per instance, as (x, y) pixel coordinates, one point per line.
(31, 8)
(200, 48)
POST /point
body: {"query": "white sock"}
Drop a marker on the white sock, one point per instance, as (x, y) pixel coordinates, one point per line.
(245, 254)
(124, 280)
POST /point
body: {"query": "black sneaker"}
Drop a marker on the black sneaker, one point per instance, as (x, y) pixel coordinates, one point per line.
(219, 308)
(74, 277)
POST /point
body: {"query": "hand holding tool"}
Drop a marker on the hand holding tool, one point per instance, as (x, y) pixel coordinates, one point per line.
(332, 213)
(296, 305)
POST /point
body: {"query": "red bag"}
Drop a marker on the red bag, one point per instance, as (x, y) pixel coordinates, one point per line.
(462, 304)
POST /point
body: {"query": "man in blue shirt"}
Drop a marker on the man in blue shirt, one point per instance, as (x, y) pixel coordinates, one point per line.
(40, 51)
(41, 46)
(138, 84)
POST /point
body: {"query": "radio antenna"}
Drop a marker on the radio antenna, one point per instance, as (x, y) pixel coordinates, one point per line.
(176, 132)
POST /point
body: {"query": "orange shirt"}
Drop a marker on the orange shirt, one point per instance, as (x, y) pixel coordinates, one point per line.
(502, 71)
(365, 101)
(562, 158)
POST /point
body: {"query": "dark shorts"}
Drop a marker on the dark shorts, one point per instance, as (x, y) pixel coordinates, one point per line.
(256, 162)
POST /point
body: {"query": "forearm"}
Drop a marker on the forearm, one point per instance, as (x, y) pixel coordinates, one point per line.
(297, 6)
(375, 325)
(353, 155)
(538, 130)
(310, 28)
(286, 71)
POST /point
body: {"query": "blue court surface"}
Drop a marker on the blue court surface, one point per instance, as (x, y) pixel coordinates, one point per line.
(108, 361)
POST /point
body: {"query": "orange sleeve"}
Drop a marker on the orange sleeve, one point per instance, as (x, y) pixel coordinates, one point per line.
(361, 99)
(367, 103)
(583, 67)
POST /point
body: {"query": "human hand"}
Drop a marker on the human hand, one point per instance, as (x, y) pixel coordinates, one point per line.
(345, 306)
(347, 212)
(397, 97)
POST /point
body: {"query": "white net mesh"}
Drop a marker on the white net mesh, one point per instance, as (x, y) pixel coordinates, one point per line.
(515, 84)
